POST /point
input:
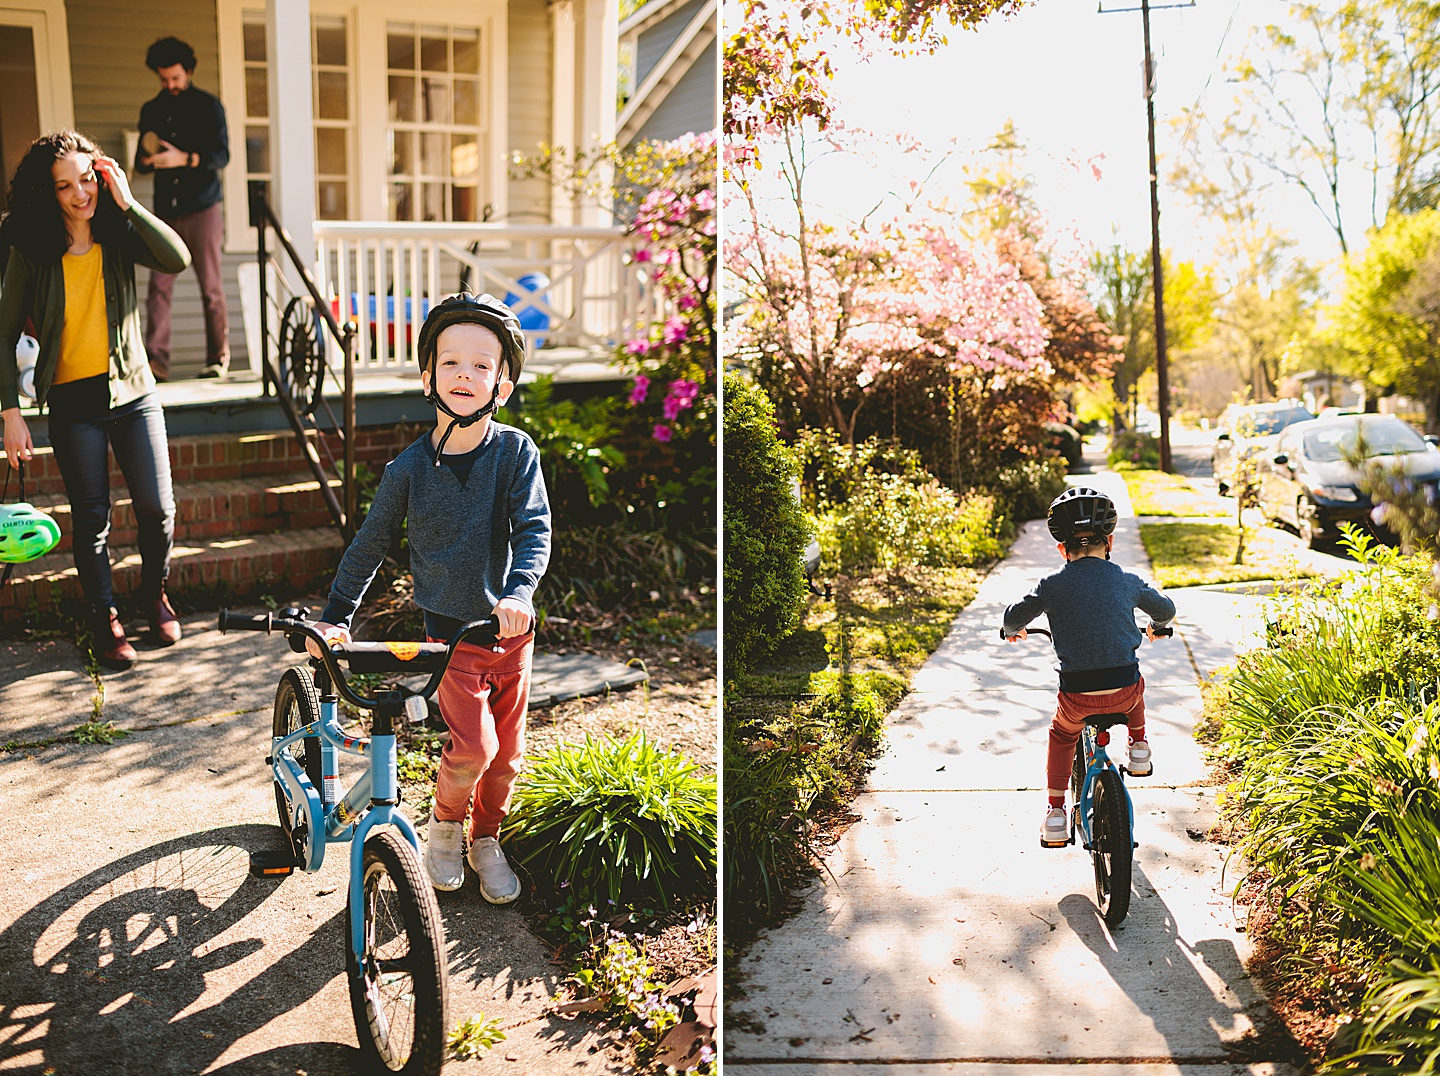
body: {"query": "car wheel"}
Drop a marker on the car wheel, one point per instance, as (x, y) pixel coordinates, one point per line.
(1305, 523)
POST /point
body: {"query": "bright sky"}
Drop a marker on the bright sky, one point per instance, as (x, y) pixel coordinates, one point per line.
(1070, 78)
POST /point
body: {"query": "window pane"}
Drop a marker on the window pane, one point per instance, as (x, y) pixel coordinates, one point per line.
(330, 40)
(254, 34)
(331, 96)
(467, 52)
(402, 98)
(467, 102)
(402, 204)
(464, 156)
(434, 49)
(432, 201)
(463, 203)
(257, 94)
(257, 149)
(433, 159)
(331, 199)
(437, 100)
(402, 160)
(400, 47)
(330, 156)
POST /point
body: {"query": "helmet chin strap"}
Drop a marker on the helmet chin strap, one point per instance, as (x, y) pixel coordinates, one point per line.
(461, 421)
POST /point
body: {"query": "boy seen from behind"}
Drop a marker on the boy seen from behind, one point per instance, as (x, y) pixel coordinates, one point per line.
(472, 496)
(1090, 603)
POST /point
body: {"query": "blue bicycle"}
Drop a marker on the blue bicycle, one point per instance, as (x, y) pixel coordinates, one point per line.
(395, 959)
(1103, 813)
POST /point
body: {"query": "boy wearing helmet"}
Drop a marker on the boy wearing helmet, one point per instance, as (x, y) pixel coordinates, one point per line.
(479, 532)
(1090, 603)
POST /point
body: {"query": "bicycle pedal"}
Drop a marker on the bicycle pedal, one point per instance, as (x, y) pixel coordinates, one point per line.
(272, 864)
(1055, 844)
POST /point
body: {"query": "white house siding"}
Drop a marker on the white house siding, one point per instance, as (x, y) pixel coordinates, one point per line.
(529, 105)
(690, 106)
(654, 41)
(108, 39)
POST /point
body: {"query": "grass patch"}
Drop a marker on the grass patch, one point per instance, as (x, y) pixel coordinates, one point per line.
(1194, 554)
(802, 726)
(1156, 493)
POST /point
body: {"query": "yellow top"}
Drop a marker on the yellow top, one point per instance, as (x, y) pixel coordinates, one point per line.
(85, 339)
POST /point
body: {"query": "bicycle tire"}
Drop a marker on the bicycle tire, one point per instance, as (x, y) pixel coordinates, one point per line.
(1111, 847)
(1077, 772)
(297, 704)
(399, 1011)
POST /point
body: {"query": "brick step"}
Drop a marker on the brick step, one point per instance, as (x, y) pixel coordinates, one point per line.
(212, 509)
(211, 457)
(243, 564)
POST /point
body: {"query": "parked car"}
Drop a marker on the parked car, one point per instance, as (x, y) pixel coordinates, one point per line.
(1249, 432)
(1307, 482)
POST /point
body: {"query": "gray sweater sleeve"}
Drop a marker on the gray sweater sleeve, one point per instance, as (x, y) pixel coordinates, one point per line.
(368, 548)
(1160, 608)
(1023, 611)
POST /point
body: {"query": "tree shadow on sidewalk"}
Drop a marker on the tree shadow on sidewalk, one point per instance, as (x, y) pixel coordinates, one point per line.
(109, 973)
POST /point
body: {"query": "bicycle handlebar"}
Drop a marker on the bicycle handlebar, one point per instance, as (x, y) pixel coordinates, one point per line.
(365, 657)
(1167, 631)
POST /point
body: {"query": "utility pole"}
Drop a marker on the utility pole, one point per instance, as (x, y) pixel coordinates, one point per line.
(1162, 365)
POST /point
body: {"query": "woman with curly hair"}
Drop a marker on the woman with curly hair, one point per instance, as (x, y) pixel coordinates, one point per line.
(68, 247)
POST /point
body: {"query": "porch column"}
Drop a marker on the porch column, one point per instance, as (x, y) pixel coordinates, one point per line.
(562, 96)
(599, 71)
(292, 122)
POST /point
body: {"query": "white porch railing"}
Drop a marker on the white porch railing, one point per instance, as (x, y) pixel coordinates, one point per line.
(387, 275)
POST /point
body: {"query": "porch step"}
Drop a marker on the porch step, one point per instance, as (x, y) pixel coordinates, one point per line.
(212, 509)
(243, 564)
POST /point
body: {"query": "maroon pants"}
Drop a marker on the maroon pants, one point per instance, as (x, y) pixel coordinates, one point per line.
(1070, 712)
(483, 698)
(202, 233)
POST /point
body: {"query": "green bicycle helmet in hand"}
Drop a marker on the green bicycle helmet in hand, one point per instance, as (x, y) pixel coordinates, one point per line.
(25, 533)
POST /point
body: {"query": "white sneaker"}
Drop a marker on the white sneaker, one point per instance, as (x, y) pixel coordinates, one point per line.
(1055, 830)
(1140, 764)
(498, 883)
(445, 854)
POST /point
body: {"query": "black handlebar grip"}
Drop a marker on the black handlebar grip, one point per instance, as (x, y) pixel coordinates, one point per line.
(240, 622)
(1162, 631)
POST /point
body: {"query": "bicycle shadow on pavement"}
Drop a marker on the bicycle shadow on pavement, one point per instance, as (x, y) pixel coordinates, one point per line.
(1150, 960)
(110, 973)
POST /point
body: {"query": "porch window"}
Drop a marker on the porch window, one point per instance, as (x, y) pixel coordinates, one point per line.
(437, 134)
(332, 92)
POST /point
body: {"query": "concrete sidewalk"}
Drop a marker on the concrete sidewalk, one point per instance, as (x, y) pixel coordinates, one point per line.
(944, 939)
(132, 939)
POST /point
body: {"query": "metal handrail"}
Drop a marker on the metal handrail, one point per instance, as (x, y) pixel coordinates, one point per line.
(262, 217)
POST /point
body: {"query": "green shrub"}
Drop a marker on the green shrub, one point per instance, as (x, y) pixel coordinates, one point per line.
(1025, 489)
(892, 523)
(1132, 451)
(765, 528)
(617, 820)
(832, 471)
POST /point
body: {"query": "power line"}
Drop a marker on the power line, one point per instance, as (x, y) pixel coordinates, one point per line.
(1195, 108)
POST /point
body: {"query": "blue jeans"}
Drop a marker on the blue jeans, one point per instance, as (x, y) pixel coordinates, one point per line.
(79, 433)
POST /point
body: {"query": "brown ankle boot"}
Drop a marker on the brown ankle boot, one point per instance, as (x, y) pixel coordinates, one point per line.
(164, 624)
(112, 649)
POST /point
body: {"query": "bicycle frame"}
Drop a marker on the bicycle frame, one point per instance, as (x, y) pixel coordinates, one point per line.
(1097, 760)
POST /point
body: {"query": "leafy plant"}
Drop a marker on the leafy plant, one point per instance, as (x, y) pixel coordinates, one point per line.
(574, 438)
(617, 820)
(895, 524)
(1130, 450)
(618, 976)
(98, 732)
(475, 1034)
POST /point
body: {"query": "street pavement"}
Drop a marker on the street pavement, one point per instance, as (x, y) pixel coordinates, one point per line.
(943, 938)
(132, 938)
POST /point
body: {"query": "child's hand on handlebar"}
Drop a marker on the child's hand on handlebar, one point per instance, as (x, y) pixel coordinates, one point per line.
(1018, 636)
(332, 633)
(514, 617)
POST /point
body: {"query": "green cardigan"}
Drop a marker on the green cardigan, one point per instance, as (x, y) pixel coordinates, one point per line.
(38, 292)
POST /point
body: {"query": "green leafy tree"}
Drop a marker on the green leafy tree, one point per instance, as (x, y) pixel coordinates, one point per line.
(765, 528)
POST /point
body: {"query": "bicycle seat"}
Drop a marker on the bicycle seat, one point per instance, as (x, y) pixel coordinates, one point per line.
(1105, 721)
(391, 657)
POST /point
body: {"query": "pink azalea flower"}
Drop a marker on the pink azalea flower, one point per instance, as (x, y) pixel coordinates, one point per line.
(672, 407)
(641, 389)
(642, 255)
(638, 346)
(675, 329)
(661, 432)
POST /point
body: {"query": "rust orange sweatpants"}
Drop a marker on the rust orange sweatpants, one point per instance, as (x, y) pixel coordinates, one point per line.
(1071, 710)
(483, 698)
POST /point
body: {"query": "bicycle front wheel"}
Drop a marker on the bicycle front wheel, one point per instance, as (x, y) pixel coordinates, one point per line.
(297, 704)
(398, 987)
(1111, 847)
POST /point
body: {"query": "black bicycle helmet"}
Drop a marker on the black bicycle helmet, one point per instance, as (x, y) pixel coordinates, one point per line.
(1081, 512)
(483, 310)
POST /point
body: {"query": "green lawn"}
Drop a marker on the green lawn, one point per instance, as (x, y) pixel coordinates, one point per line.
(1193, 554)
(1156, 493)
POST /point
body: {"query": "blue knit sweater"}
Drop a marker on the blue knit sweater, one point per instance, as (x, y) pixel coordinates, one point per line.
(479, 529)
(1091, 604)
